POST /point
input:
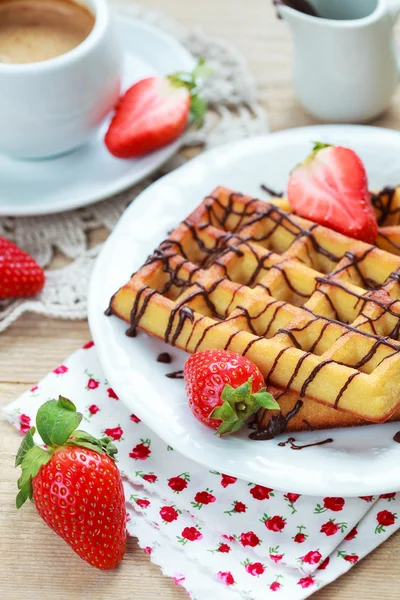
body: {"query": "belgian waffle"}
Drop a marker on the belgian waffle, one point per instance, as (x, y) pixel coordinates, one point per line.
(316, 311)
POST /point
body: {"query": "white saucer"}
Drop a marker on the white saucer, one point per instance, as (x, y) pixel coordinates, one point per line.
(361, 460)
(92, 173)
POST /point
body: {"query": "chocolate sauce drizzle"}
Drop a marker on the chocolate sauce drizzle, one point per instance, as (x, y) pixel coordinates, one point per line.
(271, 192)
(344, 388)
(383, 203)
(276, 425)
(164, 358)
(396, 437)
(293, 446)
(109, 311)
(385, 207)
(136, 313)
(172, 255)
(183, 313)
(389, 241)
(175, 375)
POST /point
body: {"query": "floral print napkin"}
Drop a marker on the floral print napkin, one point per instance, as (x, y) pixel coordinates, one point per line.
(214, 534)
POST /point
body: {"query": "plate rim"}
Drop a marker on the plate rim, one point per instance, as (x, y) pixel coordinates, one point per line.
(124, 182)
(310, 488)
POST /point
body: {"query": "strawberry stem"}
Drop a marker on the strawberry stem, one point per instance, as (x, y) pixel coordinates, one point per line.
(320, 146)
(316, 148)
(192, 82)
(239, 404)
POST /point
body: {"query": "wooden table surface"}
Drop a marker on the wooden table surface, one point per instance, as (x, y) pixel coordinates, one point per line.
(34, 563)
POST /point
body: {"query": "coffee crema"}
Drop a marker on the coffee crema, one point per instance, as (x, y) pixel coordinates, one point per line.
(38, 30)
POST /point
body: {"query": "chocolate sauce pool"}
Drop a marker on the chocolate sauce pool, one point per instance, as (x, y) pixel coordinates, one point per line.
(276, 425)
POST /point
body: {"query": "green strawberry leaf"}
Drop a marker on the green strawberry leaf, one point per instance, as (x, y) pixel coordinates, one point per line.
(228, 394)
(26, 444)
(190, 81)
(23, 496)
(316, 148)
(81, 444)
(224, 429)
(67, 404)
(56, 420)
(236, 426)
(243, 392)
(84, 436)
(111, 450)
(320, 146)
(202, 69)
(30, 465)
(239, 404)
(104, 445)
(105, 440)
(265, 400)
(198, 109)
(225, 412)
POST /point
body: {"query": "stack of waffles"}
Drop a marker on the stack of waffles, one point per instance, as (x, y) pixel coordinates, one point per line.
(316, 311)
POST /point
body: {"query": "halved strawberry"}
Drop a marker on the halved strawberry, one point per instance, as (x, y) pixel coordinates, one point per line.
(154, 112)
(331, 188)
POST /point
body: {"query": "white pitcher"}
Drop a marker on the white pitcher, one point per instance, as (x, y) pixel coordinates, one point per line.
(345, 64)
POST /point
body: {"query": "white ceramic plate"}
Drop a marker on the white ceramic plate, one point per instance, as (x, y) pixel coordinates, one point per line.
(91, 173)
(360, 461)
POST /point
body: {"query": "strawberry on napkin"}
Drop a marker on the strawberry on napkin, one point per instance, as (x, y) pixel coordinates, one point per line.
(215, 535)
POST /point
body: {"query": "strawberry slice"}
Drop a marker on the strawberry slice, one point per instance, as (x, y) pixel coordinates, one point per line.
(331, 188)
(156, 111)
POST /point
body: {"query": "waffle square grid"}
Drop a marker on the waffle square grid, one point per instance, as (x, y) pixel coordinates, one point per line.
(316, 311)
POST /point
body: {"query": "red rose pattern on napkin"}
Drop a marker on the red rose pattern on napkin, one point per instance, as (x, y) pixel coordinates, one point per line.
(246, 539)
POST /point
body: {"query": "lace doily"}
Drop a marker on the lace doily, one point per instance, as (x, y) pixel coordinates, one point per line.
(231, 95)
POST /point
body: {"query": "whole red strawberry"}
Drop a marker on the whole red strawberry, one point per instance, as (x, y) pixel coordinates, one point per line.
(20, 275)
(224, 389)
(154, 112)
(75, 484)
(331, 188)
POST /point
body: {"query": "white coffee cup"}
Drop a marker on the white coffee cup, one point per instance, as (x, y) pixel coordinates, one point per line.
(51, 107)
